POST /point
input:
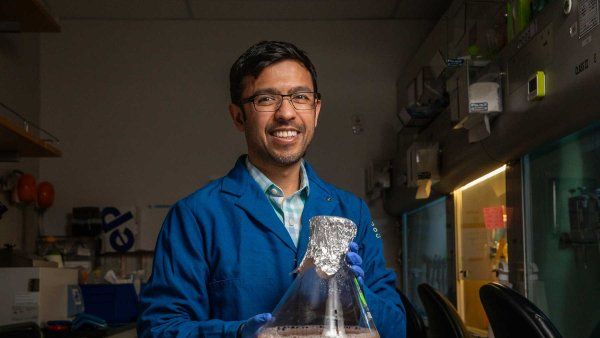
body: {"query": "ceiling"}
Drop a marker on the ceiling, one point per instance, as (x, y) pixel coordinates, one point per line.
(248, 9)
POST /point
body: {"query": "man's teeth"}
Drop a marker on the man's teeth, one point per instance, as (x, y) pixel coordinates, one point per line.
(286, 133)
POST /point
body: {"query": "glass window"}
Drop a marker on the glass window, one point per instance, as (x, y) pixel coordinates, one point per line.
(482, 250)
(562, 196)
(425, 253)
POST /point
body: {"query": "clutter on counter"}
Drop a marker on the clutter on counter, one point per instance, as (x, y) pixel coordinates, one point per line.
(50, 299)
(100, 282)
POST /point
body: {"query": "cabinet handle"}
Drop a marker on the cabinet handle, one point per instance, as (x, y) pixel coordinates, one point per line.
(554, 211)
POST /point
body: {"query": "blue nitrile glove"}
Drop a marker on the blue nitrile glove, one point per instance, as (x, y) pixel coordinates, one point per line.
(355, 262)
(249, 328)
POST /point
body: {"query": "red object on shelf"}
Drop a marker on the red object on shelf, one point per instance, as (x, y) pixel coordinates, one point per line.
(45, 195)
(26, 191)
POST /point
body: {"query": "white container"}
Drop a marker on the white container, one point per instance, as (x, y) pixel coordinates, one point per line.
(484, 97)
(34, 294)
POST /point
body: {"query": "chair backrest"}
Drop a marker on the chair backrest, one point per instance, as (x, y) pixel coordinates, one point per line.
(512, 315)
(415, 327)
(443, 320)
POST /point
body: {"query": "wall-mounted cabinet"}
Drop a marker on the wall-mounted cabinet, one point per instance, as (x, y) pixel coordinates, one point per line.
(472, 33)
(27, 16)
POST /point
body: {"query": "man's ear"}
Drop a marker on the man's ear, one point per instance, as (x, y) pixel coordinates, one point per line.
(237, 115)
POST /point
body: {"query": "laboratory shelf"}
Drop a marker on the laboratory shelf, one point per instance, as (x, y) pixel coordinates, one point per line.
(15, 139)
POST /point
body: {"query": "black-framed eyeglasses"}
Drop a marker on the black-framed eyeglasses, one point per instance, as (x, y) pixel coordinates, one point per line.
(272, 102)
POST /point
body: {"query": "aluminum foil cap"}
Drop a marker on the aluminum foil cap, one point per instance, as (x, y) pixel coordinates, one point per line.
(328, 243)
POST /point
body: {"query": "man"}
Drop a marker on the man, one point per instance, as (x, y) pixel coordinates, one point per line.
(225, 254)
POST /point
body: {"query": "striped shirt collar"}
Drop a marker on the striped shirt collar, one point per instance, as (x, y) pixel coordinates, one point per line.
(268, 187)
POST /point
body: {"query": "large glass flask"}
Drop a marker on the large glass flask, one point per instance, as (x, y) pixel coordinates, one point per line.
(325, 299)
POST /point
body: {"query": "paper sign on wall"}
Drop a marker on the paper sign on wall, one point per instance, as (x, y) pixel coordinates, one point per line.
(494, 217)
(119, 229)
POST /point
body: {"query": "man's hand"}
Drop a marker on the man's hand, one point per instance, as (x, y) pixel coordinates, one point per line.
(250, 328)
(355, 262)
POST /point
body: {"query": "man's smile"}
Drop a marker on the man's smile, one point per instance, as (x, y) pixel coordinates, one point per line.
(285, 135)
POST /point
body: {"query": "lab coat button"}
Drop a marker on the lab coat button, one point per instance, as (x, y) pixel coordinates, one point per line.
(329, 199)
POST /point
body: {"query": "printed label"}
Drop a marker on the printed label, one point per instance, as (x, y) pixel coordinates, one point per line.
(588, 16)
(25, 307)
(375, 230)
(478, 107)
(455, 62)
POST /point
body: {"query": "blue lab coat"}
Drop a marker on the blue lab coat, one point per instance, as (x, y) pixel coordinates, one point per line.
(223, 256)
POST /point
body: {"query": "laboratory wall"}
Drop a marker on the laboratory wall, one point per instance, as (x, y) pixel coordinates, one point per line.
(141, 106)
(19, 90)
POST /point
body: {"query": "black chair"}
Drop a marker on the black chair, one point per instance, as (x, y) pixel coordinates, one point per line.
(415, 327)
(512, 315)
(443, 320)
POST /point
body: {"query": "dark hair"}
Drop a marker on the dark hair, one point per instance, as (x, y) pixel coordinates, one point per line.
(259, 57)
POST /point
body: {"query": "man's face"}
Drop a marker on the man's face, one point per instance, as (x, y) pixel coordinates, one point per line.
(281, 137)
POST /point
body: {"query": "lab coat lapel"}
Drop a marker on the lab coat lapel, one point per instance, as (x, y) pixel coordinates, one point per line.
(254, 202)
(257, 206)
(320, 202)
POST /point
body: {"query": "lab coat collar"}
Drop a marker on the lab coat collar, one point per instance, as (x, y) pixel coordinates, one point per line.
(321, 201)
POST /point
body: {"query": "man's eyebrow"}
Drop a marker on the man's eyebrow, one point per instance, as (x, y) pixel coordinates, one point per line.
(265, 91)
(274, 91)
(299, 89)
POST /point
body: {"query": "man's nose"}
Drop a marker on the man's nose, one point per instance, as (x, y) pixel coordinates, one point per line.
(286, 110)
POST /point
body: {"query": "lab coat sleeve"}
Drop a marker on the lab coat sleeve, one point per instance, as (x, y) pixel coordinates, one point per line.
(175, 301)
(379, 282)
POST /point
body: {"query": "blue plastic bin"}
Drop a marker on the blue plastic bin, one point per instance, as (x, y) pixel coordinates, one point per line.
(115, 303)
